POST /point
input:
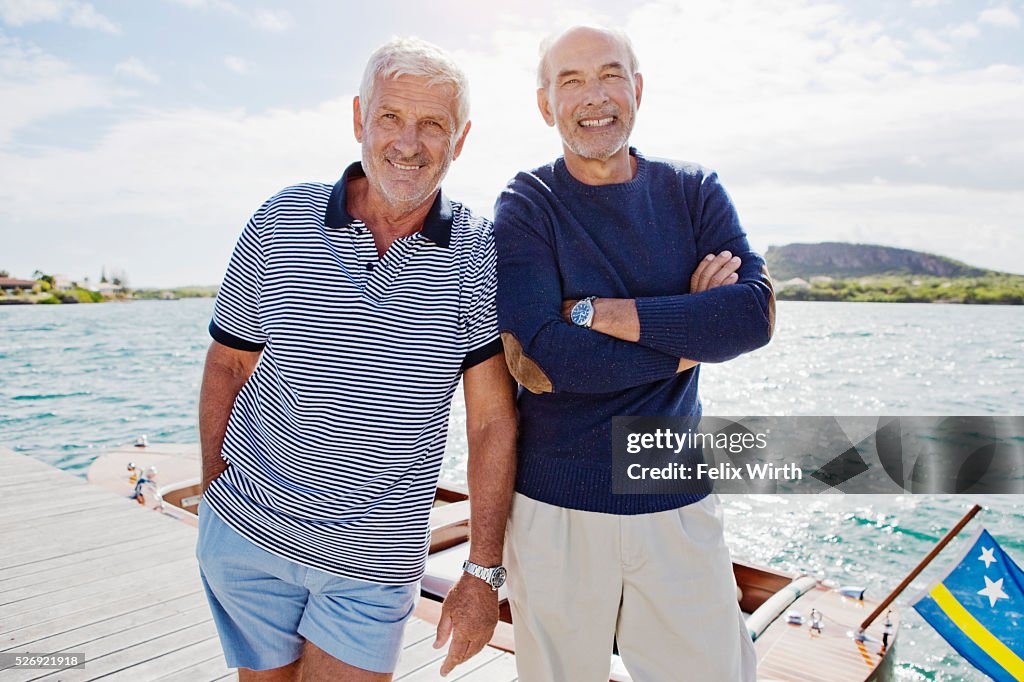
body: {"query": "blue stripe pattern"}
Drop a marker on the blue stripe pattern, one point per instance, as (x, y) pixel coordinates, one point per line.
(335, 443)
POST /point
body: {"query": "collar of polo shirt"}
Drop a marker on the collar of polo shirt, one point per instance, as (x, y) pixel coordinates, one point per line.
(437, 226)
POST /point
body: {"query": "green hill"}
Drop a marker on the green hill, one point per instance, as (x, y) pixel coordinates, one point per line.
(839, 259)
(835, 271)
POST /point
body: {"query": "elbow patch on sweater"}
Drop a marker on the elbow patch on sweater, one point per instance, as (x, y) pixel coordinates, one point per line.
(771, 300)
(527, 372)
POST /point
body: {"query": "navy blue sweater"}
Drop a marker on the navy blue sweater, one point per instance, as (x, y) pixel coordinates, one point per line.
(557, 239)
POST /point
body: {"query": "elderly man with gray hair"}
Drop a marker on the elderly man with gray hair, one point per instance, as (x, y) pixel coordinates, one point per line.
(345, 321)
(618, 274)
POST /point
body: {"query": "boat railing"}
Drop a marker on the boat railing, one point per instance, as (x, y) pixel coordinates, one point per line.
(772, 608)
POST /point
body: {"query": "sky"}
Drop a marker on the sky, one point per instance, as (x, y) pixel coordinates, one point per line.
(138, 137)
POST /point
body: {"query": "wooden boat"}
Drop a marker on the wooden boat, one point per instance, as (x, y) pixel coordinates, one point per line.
(803, 630)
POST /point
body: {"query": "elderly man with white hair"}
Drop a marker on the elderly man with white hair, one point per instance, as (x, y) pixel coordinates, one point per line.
(346, 319)
(617, 275)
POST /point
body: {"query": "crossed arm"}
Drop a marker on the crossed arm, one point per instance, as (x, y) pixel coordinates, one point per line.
(618, 318)
(547, 354)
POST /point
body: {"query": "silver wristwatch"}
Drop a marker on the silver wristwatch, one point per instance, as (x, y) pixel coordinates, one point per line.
(582, 314)
(495, 577)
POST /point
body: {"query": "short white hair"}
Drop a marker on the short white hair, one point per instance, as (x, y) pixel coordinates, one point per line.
(416, 57)
(545, 47)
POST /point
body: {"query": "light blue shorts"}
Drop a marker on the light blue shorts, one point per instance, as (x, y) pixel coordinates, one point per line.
(265, 606)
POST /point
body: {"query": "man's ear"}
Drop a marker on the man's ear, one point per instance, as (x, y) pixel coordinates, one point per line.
(639, 78)
(545, 106)
(462, 140)
(357, 119)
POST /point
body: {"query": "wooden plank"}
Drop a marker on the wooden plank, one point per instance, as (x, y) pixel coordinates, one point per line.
(41, 514)
(15, 572)
(80, 533)
(141, 651)
(418, 656)
(74, 577)
(77, 527)
(124, 557)
(45, 502)
(191, 608)
(68, 621)
(499, 669)
(207, 669)
(175, 660)
(15, 501)
(432, 671)
(15, 482)
(123, 566)
(109, 584)
(10, 460)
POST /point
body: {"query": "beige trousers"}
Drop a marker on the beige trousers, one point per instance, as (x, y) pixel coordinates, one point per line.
(660, 585)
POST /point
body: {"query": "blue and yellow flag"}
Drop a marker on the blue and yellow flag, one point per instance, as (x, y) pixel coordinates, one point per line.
(978, 606)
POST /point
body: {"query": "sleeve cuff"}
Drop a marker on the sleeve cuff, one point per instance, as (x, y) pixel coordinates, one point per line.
(659, 320)
(657, 367)
(231, 341)
(485, 352)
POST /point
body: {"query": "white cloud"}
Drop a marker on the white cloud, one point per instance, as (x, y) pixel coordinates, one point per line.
(923, 217)
(236, 64)
(1002, 17)
(964, 31)
(791, 100)
(260, 17)
(272, 20)
(37, 86)
(929, 41)
(73, 12)
(133, 67)
(800, 106)
(171, 215)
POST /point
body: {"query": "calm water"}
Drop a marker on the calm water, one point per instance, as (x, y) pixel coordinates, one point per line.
(76, 380)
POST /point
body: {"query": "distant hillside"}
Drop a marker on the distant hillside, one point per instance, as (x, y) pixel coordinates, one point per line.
(838, 259)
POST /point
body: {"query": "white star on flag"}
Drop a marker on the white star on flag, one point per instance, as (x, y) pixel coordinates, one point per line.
(988, 556)
(994, 591)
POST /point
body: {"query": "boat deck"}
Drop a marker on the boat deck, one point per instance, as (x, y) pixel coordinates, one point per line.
(797, 654)
(85, 571)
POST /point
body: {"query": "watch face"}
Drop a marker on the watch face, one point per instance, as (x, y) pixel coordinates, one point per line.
(498, 577)
(580, 312)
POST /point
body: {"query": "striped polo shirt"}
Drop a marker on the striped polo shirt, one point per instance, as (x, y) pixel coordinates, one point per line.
(335, 442)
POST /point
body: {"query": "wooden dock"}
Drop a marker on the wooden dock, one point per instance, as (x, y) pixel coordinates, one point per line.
(85, 571)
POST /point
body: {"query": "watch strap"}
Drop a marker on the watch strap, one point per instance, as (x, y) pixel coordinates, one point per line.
(485, 574)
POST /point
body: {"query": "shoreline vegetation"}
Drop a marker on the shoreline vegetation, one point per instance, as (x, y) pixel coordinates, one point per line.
(76, 295)
(999, 289)
(826, 271)
(845, 272)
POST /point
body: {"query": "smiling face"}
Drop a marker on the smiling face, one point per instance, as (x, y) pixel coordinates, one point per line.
(590, 93)
(409, 139)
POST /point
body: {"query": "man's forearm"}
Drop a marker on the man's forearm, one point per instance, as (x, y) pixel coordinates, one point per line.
(223, 377)
(491, 431)
(545, 352)
(491, 474)
(618, 317)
